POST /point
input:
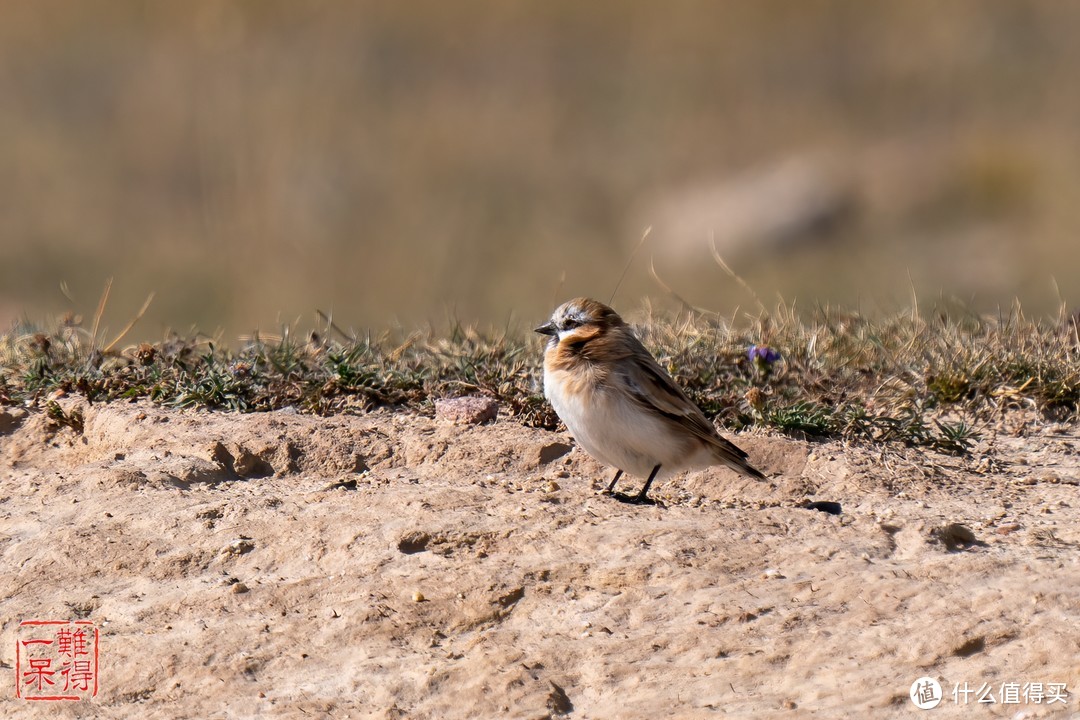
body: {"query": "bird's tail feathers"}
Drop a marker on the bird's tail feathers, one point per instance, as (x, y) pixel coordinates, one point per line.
(735, 458)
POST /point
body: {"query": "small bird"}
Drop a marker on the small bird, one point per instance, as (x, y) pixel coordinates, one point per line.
(620, 405)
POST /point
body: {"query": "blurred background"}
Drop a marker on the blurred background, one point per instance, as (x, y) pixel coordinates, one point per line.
(251, 162)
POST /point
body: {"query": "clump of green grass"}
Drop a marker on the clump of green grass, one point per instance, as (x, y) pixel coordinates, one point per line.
(839, 374)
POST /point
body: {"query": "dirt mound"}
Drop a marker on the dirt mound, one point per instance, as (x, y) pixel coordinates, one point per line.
(391, 565)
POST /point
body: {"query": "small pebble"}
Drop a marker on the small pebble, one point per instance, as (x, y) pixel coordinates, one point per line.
(238, 547)
(467, 410)
(418, 597)
(239, 588)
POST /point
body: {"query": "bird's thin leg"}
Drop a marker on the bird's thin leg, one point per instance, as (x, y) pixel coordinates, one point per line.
(642, 497)
(611, 487)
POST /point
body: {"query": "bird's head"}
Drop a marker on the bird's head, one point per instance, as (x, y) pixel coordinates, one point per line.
(580, 319)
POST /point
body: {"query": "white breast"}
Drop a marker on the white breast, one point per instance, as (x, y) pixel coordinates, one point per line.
(614, 429)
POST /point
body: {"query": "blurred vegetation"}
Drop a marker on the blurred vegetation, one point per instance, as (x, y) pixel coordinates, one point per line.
(937, 382)
(248, 161)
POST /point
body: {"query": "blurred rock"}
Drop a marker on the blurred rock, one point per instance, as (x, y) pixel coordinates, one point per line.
(797, 200)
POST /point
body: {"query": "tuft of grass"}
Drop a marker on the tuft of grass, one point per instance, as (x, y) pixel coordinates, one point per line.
(900, 379)
(58, 417)
(802, 417)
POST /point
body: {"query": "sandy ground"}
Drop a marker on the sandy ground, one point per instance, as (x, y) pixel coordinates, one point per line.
(391, 565)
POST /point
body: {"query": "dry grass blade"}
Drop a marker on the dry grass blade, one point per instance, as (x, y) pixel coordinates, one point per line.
(629, 262)
(100, 310)
(558, 289)
(131, 323)
(731, 273)
(674, 295)
(333, 326)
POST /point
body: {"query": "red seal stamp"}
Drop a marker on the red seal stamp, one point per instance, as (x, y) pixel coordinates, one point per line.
(56, 660)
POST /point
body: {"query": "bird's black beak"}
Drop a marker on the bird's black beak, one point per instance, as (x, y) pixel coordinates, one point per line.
(548, 328)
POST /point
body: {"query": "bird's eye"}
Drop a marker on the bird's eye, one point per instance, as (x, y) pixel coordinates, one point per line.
(570, 324)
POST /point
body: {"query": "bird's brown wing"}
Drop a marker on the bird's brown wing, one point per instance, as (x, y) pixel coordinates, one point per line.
(655, 391)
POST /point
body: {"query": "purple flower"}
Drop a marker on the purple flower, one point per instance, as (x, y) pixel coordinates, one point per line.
(762, 356)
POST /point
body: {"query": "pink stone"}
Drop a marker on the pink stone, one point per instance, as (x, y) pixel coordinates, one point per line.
(468, 410)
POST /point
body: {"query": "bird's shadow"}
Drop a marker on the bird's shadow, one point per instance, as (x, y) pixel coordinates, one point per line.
(633, 499)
